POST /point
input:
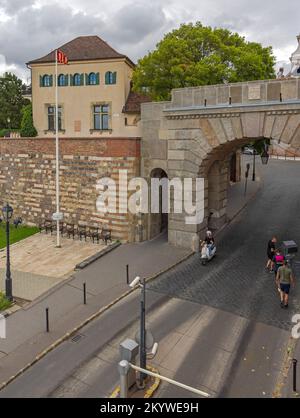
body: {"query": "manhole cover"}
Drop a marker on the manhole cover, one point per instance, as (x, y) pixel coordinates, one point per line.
(77, 338)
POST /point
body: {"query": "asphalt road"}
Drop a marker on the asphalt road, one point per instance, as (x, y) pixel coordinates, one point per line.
(220, 327)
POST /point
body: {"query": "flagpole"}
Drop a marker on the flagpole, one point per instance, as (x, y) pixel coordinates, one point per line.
(57, 152)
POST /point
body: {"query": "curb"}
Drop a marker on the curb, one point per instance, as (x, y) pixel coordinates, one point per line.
(83, 264)
(86, 322)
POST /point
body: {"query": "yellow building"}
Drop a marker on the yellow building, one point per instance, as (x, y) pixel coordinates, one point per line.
(95, 97)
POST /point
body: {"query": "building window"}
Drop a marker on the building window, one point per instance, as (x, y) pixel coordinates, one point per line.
(110, 78)
(77, 79)
(92, 79)
(51, 118)
(62, 80)
(101, 117)
(46, 80)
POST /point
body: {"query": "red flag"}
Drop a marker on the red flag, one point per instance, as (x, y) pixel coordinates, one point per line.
(61, 57)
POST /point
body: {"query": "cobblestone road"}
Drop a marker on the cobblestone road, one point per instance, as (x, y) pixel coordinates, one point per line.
(235, 281)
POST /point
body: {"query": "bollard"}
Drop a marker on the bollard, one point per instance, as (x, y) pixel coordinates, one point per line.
(84, 293)
(205, 102)
(47, 319)
(127, 273)
(280, 97)
(295, 375)
(230, 101)
(123, 368)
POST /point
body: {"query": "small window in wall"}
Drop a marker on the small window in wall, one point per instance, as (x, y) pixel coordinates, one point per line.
(110, 77)
(101, 117)
(46, 80)
(62, 80)
(51, 118)
(77, 80)
(93, 79)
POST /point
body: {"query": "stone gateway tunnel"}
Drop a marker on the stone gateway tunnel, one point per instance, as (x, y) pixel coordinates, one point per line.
(198, 134)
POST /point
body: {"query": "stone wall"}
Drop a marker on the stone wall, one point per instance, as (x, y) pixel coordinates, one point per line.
(27, 178)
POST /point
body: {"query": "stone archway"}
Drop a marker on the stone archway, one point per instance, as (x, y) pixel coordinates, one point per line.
(203, 125)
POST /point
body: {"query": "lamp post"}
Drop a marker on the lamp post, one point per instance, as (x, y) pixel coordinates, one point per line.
(254, 160)
(7, 212)
(143, 353)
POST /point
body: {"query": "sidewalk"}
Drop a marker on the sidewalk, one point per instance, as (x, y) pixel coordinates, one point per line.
(236, 197)
(37, 265)
(105, 281)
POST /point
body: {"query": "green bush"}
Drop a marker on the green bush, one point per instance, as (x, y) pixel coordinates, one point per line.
(3, 132)
(4, 303)
(27, 127)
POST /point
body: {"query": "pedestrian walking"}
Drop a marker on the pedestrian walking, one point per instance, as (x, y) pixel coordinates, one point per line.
(270, 253)
(284, 280)
(278, 261)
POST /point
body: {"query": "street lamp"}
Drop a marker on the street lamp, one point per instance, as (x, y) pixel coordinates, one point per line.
(254, 174)
(143, 354)
(7, 212)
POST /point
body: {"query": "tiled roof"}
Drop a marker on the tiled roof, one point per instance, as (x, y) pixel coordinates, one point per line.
(134, 101)
(84, 48)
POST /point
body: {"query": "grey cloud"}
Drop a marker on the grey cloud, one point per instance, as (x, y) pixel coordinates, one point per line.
(34, 32)
(133, 28)
(10, 7)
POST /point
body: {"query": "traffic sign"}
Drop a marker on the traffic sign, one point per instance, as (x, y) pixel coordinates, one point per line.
(57, 216)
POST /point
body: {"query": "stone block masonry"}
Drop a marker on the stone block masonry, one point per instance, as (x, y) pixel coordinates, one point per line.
(27, 179)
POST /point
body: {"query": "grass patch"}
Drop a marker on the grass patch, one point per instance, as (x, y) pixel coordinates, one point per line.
(4, 303)
(16, 234)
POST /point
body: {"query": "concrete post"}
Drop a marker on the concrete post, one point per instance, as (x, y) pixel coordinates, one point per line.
(123, 368)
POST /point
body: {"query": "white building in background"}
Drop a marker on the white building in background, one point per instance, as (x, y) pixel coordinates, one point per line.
(295, 61)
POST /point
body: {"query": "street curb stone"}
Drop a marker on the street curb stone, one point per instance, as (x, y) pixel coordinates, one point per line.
(85, 263)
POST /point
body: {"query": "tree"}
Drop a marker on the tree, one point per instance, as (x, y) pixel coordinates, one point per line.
(11, 101)
(27, 127)
(195, 55)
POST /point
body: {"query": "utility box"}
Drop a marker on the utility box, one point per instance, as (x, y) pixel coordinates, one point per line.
(129, 349)
(290, 249)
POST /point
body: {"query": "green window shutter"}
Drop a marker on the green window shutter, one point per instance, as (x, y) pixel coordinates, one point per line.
(41, 81)
(87, 79)
(67, 79)
(97, 78)
(51, 80)
(107, 78)
(82, 79)
(71, 80)
(114, 78)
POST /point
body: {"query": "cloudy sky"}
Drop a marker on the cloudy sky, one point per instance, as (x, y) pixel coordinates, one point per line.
(31, 28)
